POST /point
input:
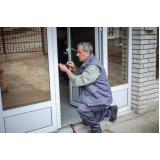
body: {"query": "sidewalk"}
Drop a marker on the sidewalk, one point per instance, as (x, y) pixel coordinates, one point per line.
(127, 123)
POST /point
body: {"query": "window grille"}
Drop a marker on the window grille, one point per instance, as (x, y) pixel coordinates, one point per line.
(24, 74)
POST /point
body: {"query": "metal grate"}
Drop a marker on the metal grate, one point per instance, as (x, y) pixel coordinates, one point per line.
(24, 76)
(21, 39)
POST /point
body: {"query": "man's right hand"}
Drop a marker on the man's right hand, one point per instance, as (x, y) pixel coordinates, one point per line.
(71, 65)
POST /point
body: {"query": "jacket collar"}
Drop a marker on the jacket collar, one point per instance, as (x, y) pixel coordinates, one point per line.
(88, 60)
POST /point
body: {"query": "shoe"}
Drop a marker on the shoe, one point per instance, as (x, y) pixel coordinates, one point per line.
(114, 110)
(96, 131)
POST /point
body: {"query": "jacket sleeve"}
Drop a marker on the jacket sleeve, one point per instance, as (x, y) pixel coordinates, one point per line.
(76, 71)
(89, 76)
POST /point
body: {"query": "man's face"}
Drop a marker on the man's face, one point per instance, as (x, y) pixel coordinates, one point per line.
(83, 56)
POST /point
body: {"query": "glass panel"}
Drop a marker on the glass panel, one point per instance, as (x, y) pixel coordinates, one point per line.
(81, 34)
(157, 55)
(117, 55)
(24, 73)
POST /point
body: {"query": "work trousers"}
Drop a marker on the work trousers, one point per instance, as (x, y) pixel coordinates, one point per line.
(92, 115)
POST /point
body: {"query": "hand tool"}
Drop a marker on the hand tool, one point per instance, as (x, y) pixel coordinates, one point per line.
(67, 64)
(71, 125)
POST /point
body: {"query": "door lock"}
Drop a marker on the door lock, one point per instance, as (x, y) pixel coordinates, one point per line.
(100, 29)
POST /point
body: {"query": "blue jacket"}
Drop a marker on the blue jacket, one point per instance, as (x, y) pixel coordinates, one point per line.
(99, 92)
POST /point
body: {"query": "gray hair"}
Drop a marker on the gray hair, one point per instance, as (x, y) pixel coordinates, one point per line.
(86, 46)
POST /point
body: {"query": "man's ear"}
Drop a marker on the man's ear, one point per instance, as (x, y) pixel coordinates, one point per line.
(88, 53)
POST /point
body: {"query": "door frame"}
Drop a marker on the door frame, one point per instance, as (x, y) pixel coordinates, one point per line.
(2, 128)
(52, 60)
(105, 64)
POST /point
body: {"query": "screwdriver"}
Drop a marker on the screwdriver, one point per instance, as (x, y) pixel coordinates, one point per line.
(67, 63)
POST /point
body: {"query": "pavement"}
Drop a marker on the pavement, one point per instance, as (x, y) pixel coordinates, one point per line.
(128, 122)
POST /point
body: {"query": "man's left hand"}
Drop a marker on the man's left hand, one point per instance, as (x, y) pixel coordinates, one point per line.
(63, 67)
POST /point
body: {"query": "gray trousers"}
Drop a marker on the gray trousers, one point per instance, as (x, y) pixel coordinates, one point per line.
(93, 115)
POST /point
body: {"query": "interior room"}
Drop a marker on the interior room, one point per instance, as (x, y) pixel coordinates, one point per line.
(69, 112)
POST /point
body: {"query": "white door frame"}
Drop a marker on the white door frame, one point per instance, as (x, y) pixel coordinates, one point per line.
(105, 63)
(2, 128)
(54, 90)
(129, 49)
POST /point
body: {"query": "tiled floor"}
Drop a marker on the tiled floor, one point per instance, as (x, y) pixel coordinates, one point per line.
(69, 113)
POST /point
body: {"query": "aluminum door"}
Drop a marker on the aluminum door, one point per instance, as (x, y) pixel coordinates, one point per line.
(76, 35)
(37, 116)
(116, 57)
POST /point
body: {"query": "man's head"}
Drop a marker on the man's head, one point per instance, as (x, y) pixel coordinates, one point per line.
(84, 50)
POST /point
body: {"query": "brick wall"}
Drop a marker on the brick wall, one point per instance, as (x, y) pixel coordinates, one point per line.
(145, 87)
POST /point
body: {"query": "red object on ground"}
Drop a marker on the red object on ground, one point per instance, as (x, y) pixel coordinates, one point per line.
(73, 129)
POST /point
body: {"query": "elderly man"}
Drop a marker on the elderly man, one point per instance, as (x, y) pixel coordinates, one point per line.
(94, 88)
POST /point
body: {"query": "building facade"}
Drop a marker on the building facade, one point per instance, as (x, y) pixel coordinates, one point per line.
(145, 67)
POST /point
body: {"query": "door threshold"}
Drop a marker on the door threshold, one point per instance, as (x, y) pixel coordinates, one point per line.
(79, 125)
(68, 129)
(74, 124)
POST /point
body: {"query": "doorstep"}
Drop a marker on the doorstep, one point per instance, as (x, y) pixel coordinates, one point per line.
(105, 124)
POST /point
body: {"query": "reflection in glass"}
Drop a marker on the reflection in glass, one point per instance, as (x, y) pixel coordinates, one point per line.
(23, 66)
(117, 55)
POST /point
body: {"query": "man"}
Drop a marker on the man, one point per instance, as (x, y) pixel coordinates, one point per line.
(94, 88)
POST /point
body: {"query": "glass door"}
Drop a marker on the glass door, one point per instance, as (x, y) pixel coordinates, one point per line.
(26, 72)
(75, 36)
(116, 58)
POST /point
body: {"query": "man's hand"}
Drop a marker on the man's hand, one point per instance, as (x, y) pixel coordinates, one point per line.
(63, 67)
(71, 65)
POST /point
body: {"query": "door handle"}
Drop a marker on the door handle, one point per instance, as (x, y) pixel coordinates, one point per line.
(67, 49)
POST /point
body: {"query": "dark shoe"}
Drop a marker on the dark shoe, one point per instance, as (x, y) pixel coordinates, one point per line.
(114, 110)
(96, 131)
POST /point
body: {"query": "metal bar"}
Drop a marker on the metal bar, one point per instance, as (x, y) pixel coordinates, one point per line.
(129, 51)
(42, 40)
(52, 50)
(3, 40)
(56, 78)
(96, 42)
(2, 128)
(28, 108)
(105, 50)
(100, 45)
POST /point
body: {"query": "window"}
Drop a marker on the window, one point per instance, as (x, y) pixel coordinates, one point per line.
(24, 76)
(157, 55)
